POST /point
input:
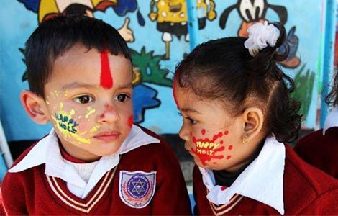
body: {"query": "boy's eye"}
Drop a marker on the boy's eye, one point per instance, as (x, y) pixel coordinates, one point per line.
(84, 99)
(122, 97)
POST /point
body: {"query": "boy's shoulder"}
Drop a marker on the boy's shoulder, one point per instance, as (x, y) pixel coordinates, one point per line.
(304, 184)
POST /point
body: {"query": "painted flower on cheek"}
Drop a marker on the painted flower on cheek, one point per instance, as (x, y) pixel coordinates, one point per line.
(207, 149)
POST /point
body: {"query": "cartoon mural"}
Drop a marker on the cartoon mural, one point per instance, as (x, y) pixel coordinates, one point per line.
(172, 18)
(158, 37)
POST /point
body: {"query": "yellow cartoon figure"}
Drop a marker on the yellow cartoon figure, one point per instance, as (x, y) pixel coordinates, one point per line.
(171, 17)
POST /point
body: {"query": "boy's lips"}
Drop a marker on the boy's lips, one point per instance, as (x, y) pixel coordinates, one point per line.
(108, 136)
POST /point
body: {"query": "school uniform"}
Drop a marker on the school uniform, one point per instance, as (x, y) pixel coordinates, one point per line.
(320, 148)
(142, 178)
(277, 181)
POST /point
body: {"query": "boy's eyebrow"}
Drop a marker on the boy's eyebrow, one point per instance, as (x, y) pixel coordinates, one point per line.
(75, 85)
(125, 86)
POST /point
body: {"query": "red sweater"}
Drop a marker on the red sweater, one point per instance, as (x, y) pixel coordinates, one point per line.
(306, 191)
(32, 192)
(321, 150)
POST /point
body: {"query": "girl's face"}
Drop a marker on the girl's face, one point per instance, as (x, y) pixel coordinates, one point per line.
(88, 98)
(213, 136)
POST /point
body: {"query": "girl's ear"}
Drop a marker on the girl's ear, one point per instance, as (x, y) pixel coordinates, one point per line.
(253, 119)
(35, 107)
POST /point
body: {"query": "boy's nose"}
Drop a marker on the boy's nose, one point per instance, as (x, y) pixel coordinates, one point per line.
(108, 114)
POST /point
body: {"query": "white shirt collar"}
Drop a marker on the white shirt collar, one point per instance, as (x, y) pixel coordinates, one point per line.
(47, 152)
(262, 180)
(331, 120)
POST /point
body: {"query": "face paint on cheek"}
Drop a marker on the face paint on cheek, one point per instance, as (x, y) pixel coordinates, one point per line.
(106, 80)
(67, 126)
(206, 149)
(130, 121)
(89, 112)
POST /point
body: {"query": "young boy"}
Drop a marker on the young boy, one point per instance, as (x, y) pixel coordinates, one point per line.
(94, 161)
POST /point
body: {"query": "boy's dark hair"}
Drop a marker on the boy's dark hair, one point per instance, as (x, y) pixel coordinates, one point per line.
(332, 97)
(55, 36)
(76, 10)
(224, 69)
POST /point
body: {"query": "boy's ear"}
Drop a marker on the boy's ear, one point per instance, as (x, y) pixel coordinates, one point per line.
(35, 107)
(253, 119)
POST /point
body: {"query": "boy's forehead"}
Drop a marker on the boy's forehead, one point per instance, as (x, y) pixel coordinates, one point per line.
(92, 66)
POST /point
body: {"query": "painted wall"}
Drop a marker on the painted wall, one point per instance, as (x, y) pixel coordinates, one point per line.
(158, 34)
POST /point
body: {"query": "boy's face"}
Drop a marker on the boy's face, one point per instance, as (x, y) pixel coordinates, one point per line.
(213, 136)
(88, 98)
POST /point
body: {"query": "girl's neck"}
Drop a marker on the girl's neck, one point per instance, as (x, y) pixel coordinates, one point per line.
(226, 178)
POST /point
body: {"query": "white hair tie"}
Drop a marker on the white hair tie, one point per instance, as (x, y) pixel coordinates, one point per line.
(260, 36)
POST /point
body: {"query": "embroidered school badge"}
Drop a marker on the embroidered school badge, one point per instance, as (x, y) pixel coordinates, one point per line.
(137, 188)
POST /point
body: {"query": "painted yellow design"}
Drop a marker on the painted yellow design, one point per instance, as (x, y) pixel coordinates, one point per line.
(207, 145)
(206, 8)
(65, 123)
(90, 111)
(175, 11)
(206, 148)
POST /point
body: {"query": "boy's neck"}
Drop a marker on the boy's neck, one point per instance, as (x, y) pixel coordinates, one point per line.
(68, 157)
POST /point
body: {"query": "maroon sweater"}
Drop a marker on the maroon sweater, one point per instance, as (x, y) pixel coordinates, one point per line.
(307, 190)
(321, 150)
(32, 192)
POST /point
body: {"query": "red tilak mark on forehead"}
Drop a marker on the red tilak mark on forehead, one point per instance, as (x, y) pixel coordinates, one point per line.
(130, 121)
(106, 80)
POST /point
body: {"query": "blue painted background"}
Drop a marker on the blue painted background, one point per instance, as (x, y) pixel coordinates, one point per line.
(155, 107)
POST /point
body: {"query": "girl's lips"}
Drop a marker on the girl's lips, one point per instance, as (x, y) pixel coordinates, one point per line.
(107, 136)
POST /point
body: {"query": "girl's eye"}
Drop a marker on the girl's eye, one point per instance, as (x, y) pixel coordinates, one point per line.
(84, 99)
(122, 97)
(192, 121)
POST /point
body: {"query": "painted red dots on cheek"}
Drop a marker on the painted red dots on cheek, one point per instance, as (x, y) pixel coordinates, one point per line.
(130, 121)
(206, 149)
(106, 80)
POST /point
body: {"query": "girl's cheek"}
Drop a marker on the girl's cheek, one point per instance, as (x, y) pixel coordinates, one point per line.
(211, 148)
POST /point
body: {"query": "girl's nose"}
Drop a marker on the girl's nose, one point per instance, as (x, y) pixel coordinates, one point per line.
(184, 133)
(109, 114)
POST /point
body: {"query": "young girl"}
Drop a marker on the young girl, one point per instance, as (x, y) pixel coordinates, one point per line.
(320, 148)
(237, 114)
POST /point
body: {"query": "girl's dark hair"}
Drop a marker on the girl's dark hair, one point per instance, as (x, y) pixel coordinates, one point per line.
(55, 36)
(332, 97)
(224, 69)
